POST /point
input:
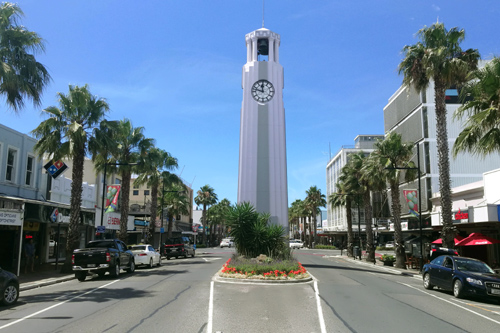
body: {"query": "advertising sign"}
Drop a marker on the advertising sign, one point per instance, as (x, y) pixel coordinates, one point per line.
(10, 218)
(112, 194)
(55, 168)
(411, 197)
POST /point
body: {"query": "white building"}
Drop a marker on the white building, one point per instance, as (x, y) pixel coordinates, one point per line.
(336, 217)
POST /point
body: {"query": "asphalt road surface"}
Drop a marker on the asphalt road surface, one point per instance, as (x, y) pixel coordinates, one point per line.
(182, 296)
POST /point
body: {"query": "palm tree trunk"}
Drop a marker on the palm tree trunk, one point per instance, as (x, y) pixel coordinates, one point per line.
(152, 219)
(124, 207)
(350, 238)
(170, 222)
(76, 202)
(398, 234)
(444, 164)
(370, 249)
(315, 226)
(204, 223)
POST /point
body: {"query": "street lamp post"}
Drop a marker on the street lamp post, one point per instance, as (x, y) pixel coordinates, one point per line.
(419, 201)
(104, 185)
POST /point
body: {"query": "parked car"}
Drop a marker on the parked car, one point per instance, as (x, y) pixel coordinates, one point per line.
(464, 276)
(178, 247)
(389, 245)
(145, 255)
(9, 286)
(437, 251)
(101, 256)
(296, 244)
(226, 242)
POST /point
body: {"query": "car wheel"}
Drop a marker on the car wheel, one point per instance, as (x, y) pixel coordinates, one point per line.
(427, 281)
(457, 289)
(194, 252)
(131, 269)
(101, 274)
(10, 294)
(168, 258)
(159, 261)
(81, 276)
(116, 271)
(151, 263)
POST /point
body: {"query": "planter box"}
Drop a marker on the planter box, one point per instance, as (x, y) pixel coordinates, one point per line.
(388, 263)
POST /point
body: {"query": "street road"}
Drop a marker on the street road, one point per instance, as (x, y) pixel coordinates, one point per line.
(181, 296)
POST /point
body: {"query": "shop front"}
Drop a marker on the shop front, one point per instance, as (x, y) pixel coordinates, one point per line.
(11, 225)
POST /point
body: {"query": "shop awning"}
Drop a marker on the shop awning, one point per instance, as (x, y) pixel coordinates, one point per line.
(477, 238)
(440, 240)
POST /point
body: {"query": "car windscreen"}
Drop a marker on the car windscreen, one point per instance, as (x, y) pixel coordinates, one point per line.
(172, 241)
(108, 244)
(138, 248)
(473, 266)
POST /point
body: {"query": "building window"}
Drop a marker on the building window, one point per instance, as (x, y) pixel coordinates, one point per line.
(146, 192)
(136, 186)
(11, 167)
(29, 170)
(135, 192)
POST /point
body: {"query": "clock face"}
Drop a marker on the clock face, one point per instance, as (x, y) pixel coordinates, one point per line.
(262, 91)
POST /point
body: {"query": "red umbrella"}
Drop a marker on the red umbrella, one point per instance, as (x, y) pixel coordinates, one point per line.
(477, 238)
(440, 240)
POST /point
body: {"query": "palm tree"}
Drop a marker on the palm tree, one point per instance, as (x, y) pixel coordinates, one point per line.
(177, 203)
(217, 215)
(341, 198)
(21, 75)
(389, 156)
(206, 197)
(370, 181)
(130, 145)
(66, 134)
(150, 173)
(294, 215)
(439, 57)
(481, 95)
(316, 200)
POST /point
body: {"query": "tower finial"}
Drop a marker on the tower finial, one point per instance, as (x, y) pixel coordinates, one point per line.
(262, 13)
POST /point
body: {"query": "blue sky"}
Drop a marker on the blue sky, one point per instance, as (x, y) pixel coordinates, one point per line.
(174, 67)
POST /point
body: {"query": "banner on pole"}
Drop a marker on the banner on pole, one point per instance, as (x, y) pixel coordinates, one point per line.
(411, 197)
(112, 193)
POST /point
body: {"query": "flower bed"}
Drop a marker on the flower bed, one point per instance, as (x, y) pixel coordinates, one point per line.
(263, 271)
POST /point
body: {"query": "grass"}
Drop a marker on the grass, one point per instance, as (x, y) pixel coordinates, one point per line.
(263, 268)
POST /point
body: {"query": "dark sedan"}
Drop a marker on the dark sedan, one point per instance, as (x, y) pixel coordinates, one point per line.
(464, 276)
(9, 285)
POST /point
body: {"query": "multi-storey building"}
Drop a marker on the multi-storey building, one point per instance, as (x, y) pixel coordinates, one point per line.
(336, 216)
(412, 115)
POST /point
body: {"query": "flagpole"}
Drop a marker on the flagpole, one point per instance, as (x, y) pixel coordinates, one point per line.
(420, 208)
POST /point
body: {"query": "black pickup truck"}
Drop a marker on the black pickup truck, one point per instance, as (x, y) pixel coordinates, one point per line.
(101, 256)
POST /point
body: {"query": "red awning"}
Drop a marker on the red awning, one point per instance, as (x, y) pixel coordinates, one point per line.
(477, 238)
(440, 240)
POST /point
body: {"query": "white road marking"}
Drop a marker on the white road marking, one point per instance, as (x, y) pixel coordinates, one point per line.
(318, 306)
(55, 305)
(211, 259)
(452, 303)
(210, 308)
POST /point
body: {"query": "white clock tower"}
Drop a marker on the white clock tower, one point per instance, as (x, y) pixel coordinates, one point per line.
(262, 178)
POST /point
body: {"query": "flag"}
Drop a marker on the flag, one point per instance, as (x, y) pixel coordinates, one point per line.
(112, 193)
(411, 197)
(55, 168)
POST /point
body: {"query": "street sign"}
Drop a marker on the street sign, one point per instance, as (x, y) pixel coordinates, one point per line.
(162, 230)
(101, 228)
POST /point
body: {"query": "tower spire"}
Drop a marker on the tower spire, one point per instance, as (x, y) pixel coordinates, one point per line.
(262, 13)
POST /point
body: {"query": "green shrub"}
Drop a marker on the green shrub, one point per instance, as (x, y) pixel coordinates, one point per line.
(246, 265)
(387, 257)
(253, 235)
(325, 247)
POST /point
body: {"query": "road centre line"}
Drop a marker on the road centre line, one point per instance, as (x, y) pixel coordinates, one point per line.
(445, 300)
(55, 305)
